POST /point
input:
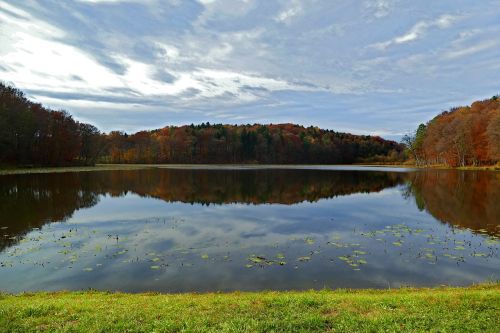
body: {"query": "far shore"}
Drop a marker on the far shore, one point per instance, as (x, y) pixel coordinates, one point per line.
(112, 167)
(433, 166)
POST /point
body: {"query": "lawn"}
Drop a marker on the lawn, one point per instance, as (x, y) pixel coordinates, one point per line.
(470, 309)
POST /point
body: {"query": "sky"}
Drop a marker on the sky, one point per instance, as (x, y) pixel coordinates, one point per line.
(376, 67)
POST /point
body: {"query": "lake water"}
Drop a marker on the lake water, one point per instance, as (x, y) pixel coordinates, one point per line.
(245, 228)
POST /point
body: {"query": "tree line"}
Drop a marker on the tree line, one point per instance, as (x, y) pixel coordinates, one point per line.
(282, 143)
(31, 134)
(462, 136)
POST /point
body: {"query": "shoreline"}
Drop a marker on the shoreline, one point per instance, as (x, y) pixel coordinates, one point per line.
(436, 167)
(113, 167)
(454, 309)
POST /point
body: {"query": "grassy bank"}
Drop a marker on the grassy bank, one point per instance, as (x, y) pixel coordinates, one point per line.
(436, 166)
(471, 309)
(470, 167)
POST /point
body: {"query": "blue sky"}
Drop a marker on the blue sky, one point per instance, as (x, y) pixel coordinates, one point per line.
(368, 67)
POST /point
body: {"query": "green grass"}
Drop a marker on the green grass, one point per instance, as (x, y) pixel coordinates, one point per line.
(471, 309)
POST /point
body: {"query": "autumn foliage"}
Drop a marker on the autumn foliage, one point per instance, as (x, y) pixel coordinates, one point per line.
(282, 143)
(464, 199)
(31, 134)
(460, 137)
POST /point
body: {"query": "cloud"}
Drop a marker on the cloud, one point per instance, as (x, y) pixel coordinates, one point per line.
(289, 13)
(482, 46)
(38, 61)
(313, 62)
(418, 31)
(36, 58)
(380, 8)
(206, 2)
(112, 1)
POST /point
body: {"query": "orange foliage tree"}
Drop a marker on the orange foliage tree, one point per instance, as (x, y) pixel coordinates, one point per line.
(462, 136)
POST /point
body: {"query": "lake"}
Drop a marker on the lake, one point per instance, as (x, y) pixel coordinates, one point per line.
(248, 228)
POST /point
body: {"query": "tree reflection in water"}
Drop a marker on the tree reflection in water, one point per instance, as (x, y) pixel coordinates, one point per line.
(466, 199)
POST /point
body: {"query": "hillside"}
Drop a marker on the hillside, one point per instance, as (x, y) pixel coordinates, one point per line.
(463, 136)
(282, 143)
(31, 134)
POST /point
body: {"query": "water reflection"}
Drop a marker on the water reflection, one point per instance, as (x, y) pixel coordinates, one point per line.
(205, 230)
(468, 199)
(29, 201)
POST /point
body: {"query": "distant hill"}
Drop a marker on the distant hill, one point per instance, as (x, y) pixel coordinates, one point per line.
(282, 143)
(462, 136)
(31, 134)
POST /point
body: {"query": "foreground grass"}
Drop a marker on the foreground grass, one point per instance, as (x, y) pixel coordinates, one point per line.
(471, 309)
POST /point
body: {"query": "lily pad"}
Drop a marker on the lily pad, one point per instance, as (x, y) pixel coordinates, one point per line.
(310, 241)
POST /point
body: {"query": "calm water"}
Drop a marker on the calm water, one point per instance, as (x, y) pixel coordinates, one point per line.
(174, 230)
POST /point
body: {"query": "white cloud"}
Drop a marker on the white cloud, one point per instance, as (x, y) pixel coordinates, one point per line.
(171, 53)
(380, 8)
(485, 45)
(79, 103)
(36, 59)
(216, 9)
(206, 2)
(26, 23)
(418, 31)
(301, 61)
(288, 14)
(112, 1)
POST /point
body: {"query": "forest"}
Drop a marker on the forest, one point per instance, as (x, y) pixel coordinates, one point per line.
(282, 143)
(462, 136)
(31, 134)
